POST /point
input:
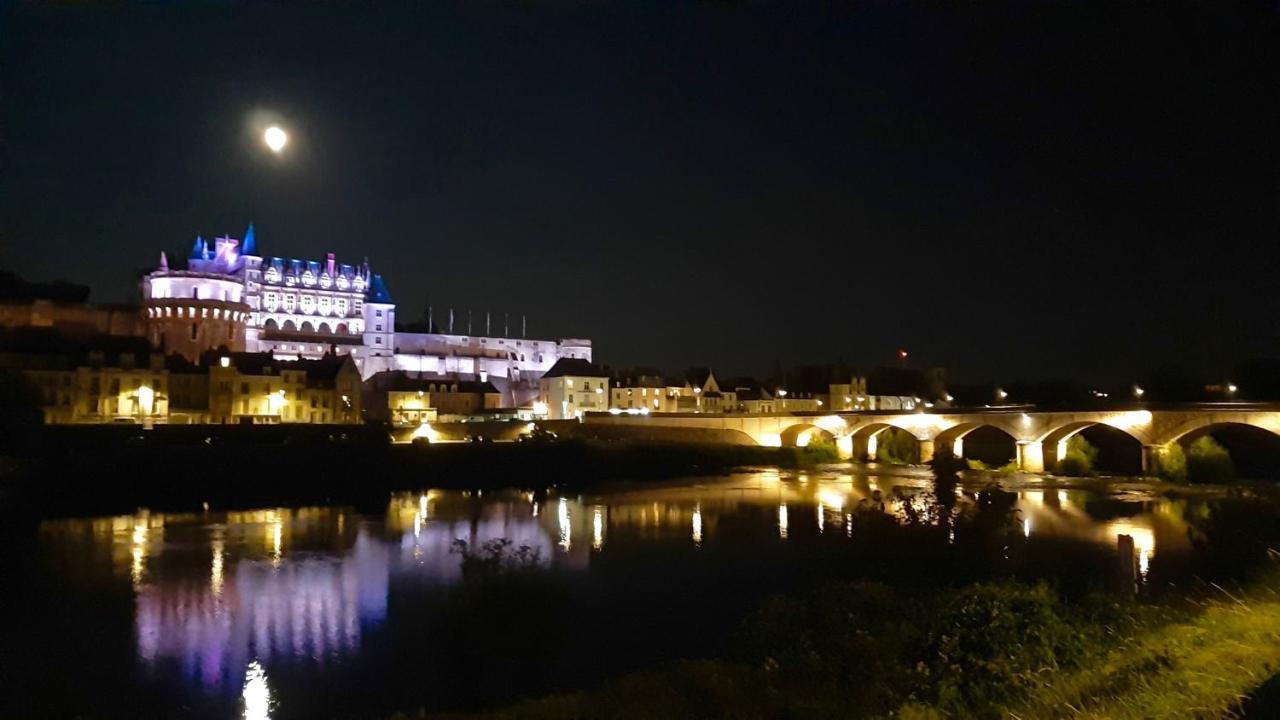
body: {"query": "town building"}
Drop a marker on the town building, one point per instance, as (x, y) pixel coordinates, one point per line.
(572, 387)
(114, 380)
(404, 399)
(258, 388)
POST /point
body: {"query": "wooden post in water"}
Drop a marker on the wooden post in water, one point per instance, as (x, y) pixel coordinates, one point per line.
(1127, 575)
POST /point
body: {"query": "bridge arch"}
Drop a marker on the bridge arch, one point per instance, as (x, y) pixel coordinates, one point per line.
(1253, 447)
(801, 434)
(1119, 450)
(990, 442)
(875, 441)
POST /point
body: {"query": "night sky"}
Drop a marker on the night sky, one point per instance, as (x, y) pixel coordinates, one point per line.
(1010, 191)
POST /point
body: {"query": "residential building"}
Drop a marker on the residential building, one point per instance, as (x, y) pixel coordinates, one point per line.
(403, 399)
(572, 387)
(112, 380)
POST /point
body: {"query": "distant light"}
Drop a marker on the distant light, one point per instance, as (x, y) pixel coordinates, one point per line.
(224, 361)
(1231, 387)
(782, 393)
(1001, 394)
(949, 398)
(1138, 392)
(275, 138)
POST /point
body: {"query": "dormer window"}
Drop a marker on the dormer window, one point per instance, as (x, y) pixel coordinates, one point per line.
(326, 281)
(359, 283)
(308, 278)
(343, 283)
(273, 275)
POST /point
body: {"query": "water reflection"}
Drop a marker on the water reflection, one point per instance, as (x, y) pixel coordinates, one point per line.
(226, 598)
(256, 693)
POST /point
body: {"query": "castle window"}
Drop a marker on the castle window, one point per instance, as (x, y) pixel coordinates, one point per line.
(195, 331)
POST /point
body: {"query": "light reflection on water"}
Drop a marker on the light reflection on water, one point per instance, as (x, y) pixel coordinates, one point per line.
(226, 596)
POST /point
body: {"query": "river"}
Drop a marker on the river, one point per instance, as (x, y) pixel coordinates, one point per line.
(339, 611)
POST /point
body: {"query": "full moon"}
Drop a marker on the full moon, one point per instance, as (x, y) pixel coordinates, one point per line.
(275, 138)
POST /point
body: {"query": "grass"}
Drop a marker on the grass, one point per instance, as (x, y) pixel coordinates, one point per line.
(1202, 667)
(989, 650)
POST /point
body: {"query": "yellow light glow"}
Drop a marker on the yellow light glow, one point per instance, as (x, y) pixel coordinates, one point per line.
(215, 569)
(566, 533)
(1144, 541)
(138, 568)
(771, 440)
(275, 401)
(597, 528)
(697, 524)
(802, 440)
(425, 431)
(782, 521)
(275, 138)
(1129, 420)
(540, 408)
(831, 499)
(146, 400)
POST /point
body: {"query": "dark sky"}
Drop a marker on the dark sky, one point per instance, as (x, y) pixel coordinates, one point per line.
(1010, 191)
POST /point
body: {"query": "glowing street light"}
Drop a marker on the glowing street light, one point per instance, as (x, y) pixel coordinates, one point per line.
(1231, 389)
(1001, 394)
(275, 138)
(1138, 392)
(146, 400)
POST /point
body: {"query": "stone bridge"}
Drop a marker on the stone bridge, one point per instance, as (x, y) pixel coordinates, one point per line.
(1039, 435)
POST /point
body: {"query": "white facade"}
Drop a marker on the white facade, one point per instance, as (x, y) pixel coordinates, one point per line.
(567, 397)
(306, 309)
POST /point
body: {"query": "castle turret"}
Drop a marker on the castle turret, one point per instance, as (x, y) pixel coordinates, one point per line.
(250, 244)
(379, 319)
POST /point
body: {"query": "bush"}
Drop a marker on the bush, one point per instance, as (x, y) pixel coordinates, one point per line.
(495, 557)
(991, 644)
(1079, 458)
(821, 449)
(1209, 462)
(897, 446)
(1171, 464)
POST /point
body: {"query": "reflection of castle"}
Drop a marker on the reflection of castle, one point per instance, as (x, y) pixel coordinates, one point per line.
(231, 296)
(300, 608)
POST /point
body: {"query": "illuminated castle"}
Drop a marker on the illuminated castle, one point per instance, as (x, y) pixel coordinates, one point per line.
(230, 296)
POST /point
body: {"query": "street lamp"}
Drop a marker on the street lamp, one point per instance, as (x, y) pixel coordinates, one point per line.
(1231, 390)
(1138, 392)
(1001, 394)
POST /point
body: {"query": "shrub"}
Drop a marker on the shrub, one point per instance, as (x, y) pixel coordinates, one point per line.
(495, 557)
(821, 449)
(897, 446)
(1171, 464)
(1079, 458)
(1209, 462)
(992, 642)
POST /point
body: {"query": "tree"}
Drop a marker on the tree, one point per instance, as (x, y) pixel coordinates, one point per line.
(1209, 462)
(1080, 457)
(897, 446)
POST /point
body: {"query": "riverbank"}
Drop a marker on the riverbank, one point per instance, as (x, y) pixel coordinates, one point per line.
(81, 471)
(984, 650)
